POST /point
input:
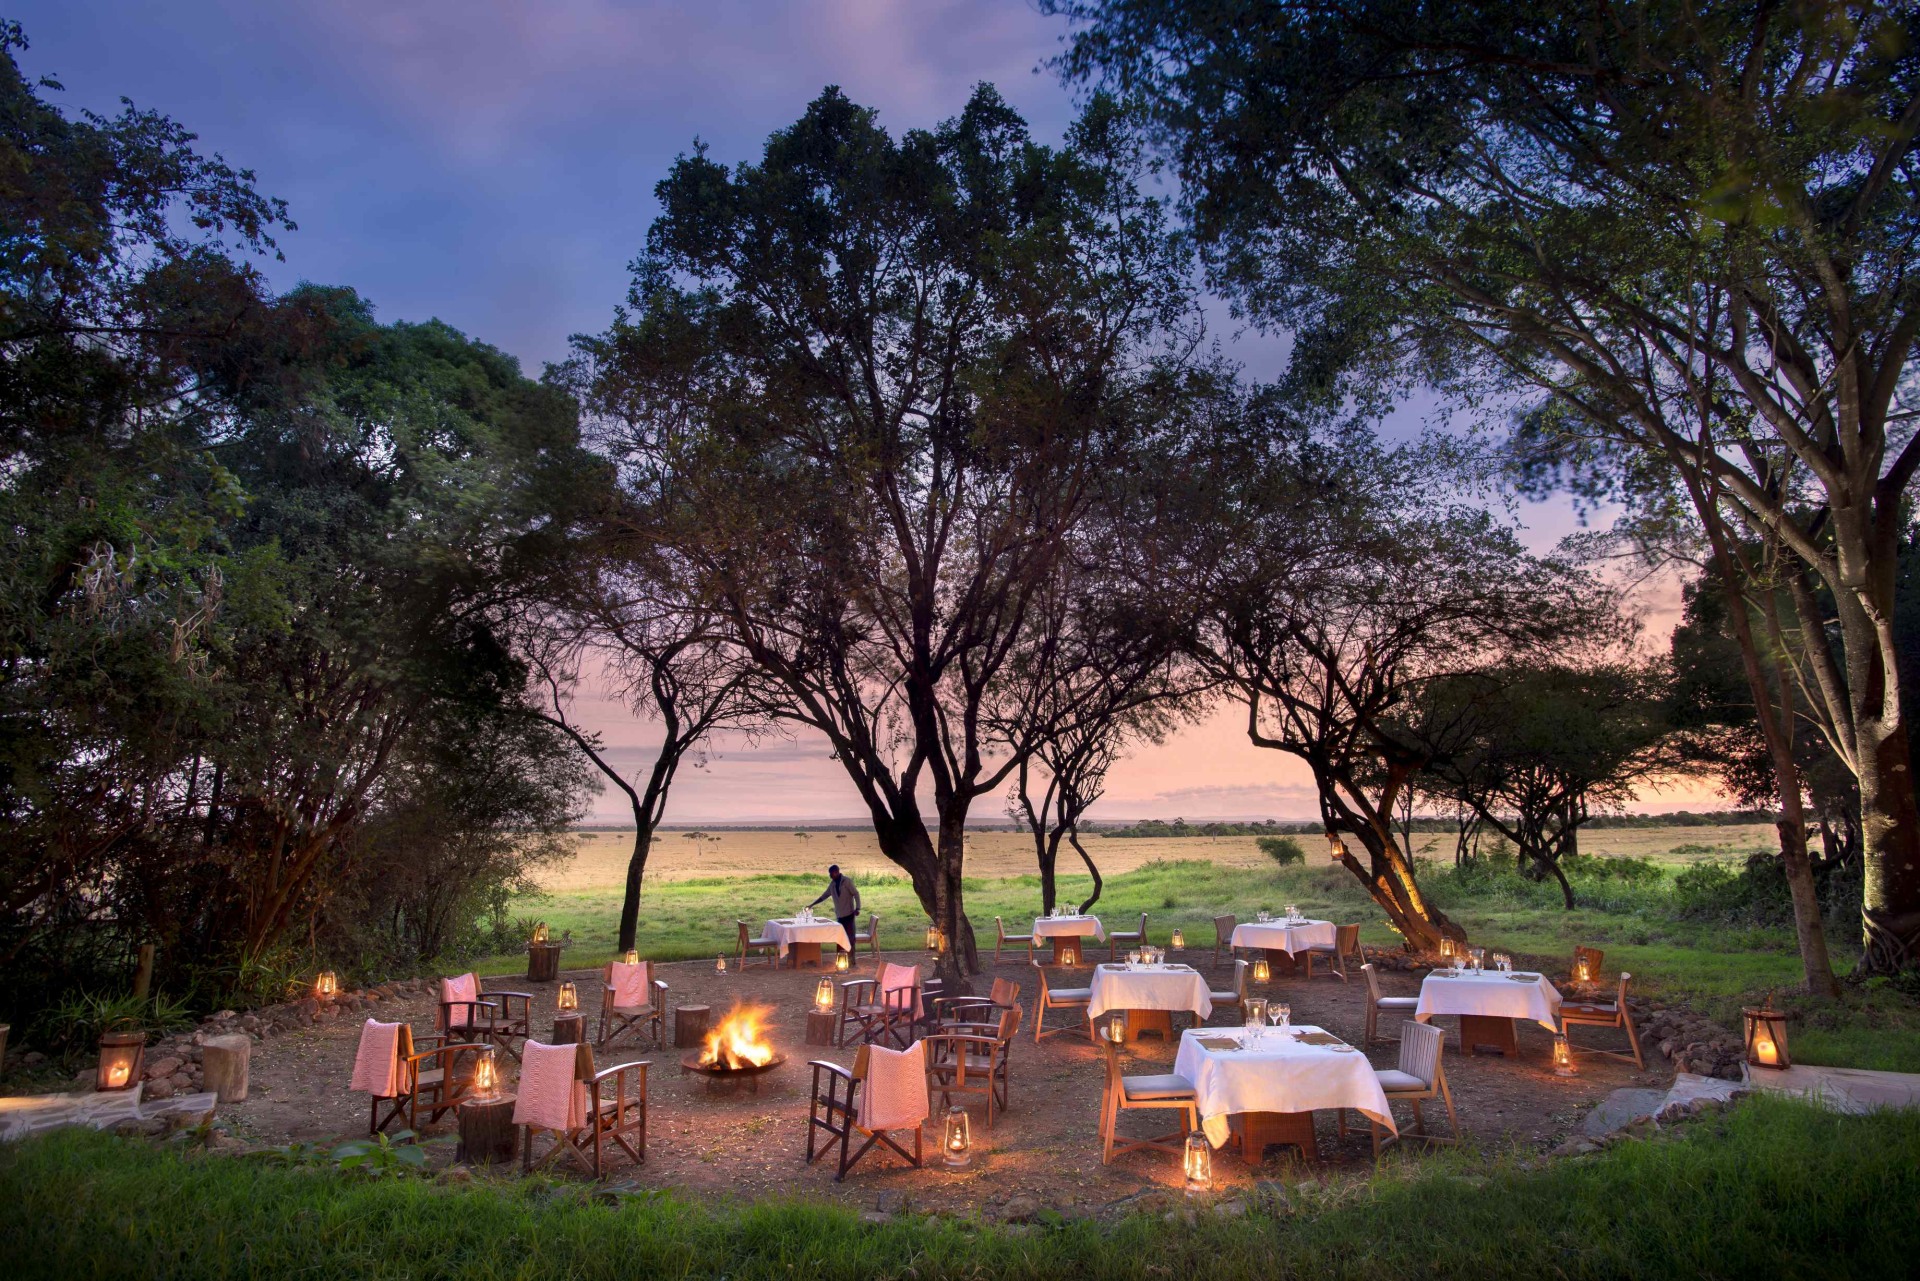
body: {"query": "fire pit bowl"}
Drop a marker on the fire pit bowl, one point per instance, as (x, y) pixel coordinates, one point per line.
(721, 1076)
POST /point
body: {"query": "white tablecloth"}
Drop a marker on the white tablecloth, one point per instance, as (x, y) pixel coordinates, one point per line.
(1048, 927)
(825, 933)
(1274, 1074)
(1499, 996)
(1159, 987)
(1297, 937)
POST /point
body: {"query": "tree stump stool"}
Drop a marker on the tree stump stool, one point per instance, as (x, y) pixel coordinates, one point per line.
(690, 1025)
(486, 1130)
(569, 1029)
(223, 1063)
(820, 1027)
(543, 962)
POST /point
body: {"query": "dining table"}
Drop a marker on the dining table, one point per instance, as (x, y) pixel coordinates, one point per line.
(1282, 939)
(1149, 995)
(1065, 933)
(1490, 1005)
(801, 940)
(1266, 1084)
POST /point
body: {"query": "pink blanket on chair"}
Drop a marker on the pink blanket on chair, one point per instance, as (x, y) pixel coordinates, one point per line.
(629, 984)
(376, 1064)
(895, 1094)
(552, 1097)
(894, 977)
(464, 988)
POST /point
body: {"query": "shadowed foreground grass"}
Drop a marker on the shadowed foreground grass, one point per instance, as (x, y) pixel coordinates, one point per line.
(1771, 1189)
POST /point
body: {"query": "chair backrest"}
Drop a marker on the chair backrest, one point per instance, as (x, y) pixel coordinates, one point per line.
(1620, 997)
(1009, 1023)
(1240, 970)
(1112, 1055)
(1223, 929)
(1420, 1045)
(1004, 992)
(1000, 929)
(403, 1044)
(860, 1061)
(1592, 956)
(873, 925)
(1373, 982)
(1046, 980)
(743, 931)
(1346, 939)
(1143, 927)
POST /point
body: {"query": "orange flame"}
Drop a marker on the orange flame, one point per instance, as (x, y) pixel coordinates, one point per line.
(737, 1040)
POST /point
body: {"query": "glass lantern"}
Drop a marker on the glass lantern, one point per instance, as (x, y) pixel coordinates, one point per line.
(823, 995)
(327, 986)
(843, 961)
(631, 956)
(933, 937)
(956, 1141)
(1198, 1165)
(1447, 950)
(1117, 1029)
(719, 965)
(1767, 1037)
(1563, 1064)
(1070, 956)
(1178, 942)
(122, 1054)
(1582, 967)
(540, 932)
(1255, 1013)
(1262, 972)
(486, 1077)
(568, 998)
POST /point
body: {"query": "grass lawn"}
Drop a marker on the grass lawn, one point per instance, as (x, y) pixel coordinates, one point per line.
(1770, 1189)
(1716, 967)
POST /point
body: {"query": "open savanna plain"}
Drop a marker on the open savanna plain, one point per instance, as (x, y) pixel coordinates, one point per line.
(699, 886)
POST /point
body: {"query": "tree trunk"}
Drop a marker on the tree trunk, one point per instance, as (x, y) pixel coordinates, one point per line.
(636, 871)
(960, 960)
(1073, 836)
(1389, 879)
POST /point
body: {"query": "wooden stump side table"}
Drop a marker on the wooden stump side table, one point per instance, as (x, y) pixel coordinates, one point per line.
(569, 1029)
(486, 1130)
(543, 962)
(690, 1025)
(820, 1027)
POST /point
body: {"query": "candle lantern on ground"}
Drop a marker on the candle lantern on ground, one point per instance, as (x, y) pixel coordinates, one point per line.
(1178, 942)
(569, 998)
(327, 986)
(121, 1057)
(823, 994)
(486, 1077)
(1582, 968)
(1767, 1037)
(1563, 1058)
(719, 965)
(1262, 972)
(1198, 1166)
(540, 931)
(843, 961)
(1069, 955)
(956, 1144)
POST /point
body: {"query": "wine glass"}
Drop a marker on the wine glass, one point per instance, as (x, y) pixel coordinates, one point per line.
(1255, 1015)
(1280, 1015)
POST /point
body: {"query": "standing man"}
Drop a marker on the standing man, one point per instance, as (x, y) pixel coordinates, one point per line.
(846, 903)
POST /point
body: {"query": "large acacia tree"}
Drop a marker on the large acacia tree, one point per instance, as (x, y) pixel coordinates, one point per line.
(1690, 225)
(865, 392)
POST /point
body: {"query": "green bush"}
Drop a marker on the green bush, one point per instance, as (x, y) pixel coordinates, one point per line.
(1632, 871)
(1284, 850)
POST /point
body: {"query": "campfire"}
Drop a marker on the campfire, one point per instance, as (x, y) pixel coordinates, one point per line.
(739, 1043)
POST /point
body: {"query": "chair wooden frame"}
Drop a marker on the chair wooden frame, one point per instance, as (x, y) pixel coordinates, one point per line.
(950, 1075)
(619, 1119)
(835, 1111)
(1137, 938)
(751, 946)
(951, 1010)
(1223, 939)
(440, 1088)
(492, 1017)
(1061, 998)
(1422, 1055)
(1602, 1014)
(1345, 947)
(1237, 998)
(871, 938)
(1377, 1003)
(617, 1020)
(1002, 938)
(1114, 1100)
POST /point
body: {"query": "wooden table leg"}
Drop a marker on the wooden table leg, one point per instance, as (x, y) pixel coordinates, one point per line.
(1064, 943)
(1157, 1022)
(1280, 964)
(804, 954)
(1259, 1130)
(1481, 1031)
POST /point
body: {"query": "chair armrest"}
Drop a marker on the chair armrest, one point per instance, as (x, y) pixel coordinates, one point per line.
(619, 1069)
(438, 1038)
(846, 984)
(832, 1069)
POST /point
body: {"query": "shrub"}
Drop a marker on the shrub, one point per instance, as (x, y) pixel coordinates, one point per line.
(1633, 871)
(1284, 850)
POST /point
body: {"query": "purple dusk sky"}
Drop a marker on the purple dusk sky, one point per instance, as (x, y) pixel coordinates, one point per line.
(492, 164)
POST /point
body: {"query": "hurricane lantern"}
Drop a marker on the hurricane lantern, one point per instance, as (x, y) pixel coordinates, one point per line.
(719, 965)
(1198, 1165)
(1582, 968)
(823, 994)
(121, 1056)
(327, 986)
(1178, 942)
(540, 931)
(1070, 956)
(1447, 950)
(569, 998)
(1767, 1037)
(1336, 849)
(1563, 1064)
(843, 961)
(1262, 972)
(486, 1077)
(956, 1143)
(934, 940)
